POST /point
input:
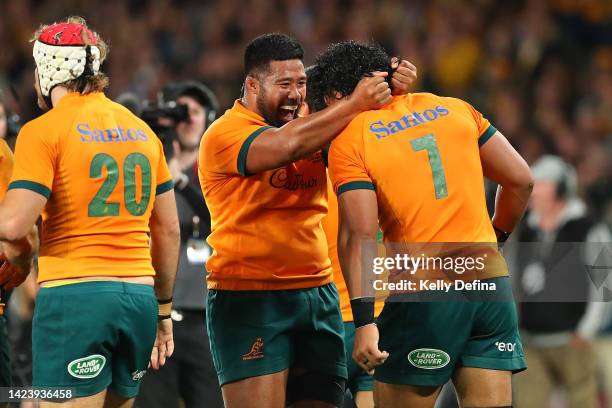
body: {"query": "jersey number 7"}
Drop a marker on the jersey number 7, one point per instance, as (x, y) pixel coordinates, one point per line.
(428, 142)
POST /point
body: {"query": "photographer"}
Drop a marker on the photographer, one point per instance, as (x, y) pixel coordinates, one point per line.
(189, 375)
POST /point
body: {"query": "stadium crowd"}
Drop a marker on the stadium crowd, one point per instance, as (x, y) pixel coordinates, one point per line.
(541, 71)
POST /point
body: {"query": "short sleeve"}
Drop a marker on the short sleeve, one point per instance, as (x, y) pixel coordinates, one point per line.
(225, 147)
(35, 159)
(347, 166)
(164, 178)
(485, 128)
(6, 167)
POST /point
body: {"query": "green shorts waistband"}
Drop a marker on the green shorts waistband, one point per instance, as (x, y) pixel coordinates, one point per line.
(98, 287)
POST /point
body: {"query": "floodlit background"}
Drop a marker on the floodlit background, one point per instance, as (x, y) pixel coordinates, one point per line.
(541, 71)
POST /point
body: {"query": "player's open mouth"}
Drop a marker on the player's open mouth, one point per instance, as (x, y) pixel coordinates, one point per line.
(288, 111)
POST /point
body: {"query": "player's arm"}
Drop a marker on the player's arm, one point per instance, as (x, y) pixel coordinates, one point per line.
(165, 244)
(358, 227)
(28, 192)
(19, 234)
(357, 206)
(276, 147)
(502, 164)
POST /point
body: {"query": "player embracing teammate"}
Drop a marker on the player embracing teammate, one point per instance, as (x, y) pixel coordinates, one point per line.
(273, 318)
(416, 166)
(99, 177)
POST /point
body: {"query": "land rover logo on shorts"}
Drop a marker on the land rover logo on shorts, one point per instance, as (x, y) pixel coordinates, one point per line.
(428, 359)
(87, 367)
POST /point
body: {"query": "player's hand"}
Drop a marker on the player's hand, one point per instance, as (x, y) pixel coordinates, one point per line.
(365, 351)
(18, 260)
(404, 77)
(372, 92)
(12, 275)
(164, 344)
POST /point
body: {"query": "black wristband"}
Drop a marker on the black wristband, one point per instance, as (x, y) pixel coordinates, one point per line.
(363, 311)
(162, 317)
(164, 301)
(502, 236)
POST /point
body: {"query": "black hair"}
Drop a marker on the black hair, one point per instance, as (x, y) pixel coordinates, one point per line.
(342, 65)
(314, 99)
(270, 47)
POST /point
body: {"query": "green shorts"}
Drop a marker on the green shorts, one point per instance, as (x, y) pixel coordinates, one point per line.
(93, 335)
(358, 380)
(254, 333)
(427, 341)
(5, 356)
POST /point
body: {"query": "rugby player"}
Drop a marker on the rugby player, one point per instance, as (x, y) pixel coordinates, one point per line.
(272, 305)
(110, 235)
(6, 169)
(359, 382)
(417, 166)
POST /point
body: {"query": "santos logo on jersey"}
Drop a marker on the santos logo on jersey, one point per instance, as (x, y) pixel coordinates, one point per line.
(110, 135)
(382, 129)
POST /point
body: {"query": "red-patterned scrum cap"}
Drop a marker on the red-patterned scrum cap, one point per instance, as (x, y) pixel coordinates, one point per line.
(61, 54)
(66, 34)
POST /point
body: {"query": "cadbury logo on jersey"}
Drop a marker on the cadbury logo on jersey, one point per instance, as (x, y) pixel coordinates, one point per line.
(382, 130)
(289, 180)
(110, 135)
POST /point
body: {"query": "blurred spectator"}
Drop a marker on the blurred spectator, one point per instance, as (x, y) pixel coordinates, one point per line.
(189, 375)
(20, 313)
(603, 348)
(540, 69)
(9, 124)
(3, 121)
(560, 313)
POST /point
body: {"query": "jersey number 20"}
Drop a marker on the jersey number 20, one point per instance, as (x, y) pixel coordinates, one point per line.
(99, 207)
(428, 142)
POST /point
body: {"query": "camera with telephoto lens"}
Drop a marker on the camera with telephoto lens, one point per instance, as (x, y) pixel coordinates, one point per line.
(164, 115)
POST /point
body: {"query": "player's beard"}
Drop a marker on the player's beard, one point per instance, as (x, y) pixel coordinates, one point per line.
(272, 114)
